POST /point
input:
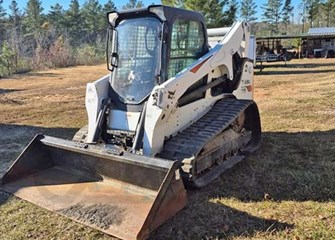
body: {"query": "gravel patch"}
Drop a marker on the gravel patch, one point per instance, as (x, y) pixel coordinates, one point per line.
(100, 215)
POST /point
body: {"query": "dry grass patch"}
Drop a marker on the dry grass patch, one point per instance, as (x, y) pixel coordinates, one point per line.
(52, 98)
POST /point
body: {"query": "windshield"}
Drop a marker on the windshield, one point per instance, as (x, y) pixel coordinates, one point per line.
(138, 47)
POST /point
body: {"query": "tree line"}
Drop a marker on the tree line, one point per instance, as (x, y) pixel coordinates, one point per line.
(33, 39)
(275, 18)
(30, 38)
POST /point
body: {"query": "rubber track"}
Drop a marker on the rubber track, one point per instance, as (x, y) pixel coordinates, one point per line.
(188, 143)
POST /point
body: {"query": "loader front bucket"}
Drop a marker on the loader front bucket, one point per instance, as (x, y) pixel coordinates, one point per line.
(121, 194)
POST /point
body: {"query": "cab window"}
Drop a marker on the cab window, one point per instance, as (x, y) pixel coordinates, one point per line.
(187, 44)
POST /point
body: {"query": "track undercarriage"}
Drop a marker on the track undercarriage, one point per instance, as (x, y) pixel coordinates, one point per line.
(216, 142)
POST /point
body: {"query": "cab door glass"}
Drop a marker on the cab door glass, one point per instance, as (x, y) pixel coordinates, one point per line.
(187, 44)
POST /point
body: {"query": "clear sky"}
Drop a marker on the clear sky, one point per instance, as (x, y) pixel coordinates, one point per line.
(119, 3)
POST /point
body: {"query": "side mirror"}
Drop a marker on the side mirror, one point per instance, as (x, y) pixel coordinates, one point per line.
(111, 52)
(114, 60)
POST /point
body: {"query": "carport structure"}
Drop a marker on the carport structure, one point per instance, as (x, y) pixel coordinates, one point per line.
(317, 42)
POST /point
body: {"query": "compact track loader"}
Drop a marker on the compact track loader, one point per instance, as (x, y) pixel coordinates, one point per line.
(173, 112)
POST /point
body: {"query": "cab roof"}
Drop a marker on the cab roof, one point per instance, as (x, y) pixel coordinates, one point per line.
(170, 13)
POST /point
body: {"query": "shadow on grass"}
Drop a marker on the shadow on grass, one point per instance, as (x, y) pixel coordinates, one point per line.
(28, 72)
(294, 68)
(289, 166)
(288, 71)
(202, 219)
(4, 197)
(42, 74)
(14, 138)
(4, 91)
(27, 132)
(310, 65)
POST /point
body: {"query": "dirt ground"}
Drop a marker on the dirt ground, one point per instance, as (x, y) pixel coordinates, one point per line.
(285, 191)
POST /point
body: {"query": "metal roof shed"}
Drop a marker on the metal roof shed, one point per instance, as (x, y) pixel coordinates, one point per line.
(324, 31)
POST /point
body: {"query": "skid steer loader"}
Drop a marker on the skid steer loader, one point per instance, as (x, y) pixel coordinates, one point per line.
(173, 112)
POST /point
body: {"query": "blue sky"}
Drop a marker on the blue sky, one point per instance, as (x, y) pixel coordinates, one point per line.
(119, 3)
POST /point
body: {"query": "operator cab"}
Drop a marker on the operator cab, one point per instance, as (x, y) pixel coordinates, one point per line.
(148, 46)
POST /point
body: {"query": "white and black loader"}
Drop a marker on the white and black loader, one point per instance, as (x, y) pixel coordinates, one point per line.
(173, 112)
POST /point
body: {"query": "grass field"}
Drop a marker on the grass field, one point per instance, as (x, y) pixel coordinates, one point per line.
(285, 191)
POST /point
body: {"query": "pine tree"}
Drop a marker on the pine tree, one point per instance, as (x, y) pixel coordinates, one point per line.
(329, 11)
(213, 11)
(7, 58)
(33, 20)
(230, 13)
(272, 14)
(217, 13)
(248, 10)
(15, 18)
(313, 13)
(74, 22)
(311, 8)
(91, 15)
(2, 10)
(15, 15)
(108, 7)
(2, 22)
(56, 16)
(196, 5)
(133, 4)
(174, 3)
(287, 12)
(33, 31)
